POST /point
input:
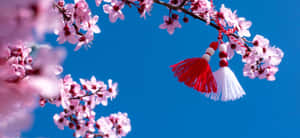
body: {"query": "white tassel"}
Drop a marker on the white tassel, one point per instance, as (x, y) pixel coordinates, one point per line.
(229, 88)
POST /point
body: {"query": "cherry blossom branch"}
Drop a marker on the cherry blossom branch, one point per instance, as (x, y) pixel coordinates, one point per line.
(181, 8)
(185, 11)
(79, 102)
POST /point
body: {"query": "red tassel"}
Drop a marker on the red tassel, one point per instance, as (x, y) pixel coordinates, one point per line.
(196, 72)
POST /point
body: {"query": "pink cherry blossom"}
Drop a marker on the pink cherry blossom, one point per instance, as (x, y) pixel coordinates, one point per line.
(104, 125)
(91, 25)
(60, 120)
(170, 24)
(114, 123)
(68, 34)
(145, 7)
(114, 10)
(112, 88)
(274, 57)
(243, 28)
(260, 41)
(93, 85)
(82, 11)
(202, 8)
(229, 16)
(122, 123)
(235, 45)
(85, 40)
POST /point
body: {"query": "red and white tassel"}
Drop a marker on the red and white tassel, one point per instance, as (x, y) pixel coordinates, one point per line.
(196, 72)
(229, 88)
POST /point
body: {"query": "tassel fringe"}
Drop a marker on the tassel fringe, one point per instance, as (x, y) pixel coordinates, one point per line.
(229, 88)
(195, 73)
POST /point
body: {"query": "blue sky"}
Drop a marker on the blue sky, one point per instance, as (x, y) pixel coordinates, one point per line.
(137, 54)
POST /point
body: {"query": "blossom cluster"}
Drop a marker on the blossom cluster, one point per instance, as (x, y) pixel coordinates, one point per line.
(262, 60)
(79, 102)
(76, 23)
(114, 8)
(22, 78)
